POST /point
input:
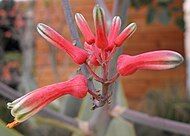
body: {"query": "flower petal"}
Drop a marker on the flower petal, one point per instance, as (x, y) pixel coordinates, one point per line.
(127, 32)
(156, 60)
(84, 28)
(78, 55)
(101, 38)
(113, 33)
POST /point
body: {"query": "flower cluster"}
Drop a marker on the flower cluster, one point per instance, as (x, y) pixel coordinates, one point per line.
(98, 51)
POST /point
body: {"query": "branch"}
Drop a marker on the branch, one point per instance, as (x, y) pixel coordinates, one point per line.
(12, 94)
(154, 122)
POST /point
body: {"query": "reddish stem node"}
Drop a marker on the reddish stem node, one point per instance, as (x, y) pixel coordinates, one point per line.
(96, 77)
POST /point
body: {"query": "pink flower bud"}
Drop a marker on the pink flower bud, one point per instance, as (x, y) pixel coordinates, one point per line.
(101, 38)
(84, 28)
(156, 60)
(113, 33)
(31, 103)
(127, 32)
(78, 55)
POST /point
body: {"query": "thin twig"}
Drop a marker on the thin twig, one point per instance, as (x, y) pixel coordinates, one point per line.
(113, 79)
(96, 77)
(95, 95)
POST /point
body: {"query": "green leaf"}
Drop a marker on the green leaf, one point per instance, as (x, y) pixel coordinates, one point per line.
(6, 131)
(120, 127)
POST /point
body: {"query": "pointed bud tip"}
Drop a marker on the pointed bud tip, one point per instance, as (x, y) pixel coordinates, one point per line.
(41, 25)
(77, 15)
(97, 6)
(126, 33)
(98, 10)
(132, 26)
(117, 18)
(41, 28)
(178, 58)
(100, 27)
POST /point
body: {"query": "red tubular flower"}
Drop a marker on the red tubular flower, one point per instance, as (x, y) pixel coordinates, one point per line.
(127, 32)
(31, 103)
(101, 38)
(84, 28)
(113, 33)
(78, 55)
(156, 60)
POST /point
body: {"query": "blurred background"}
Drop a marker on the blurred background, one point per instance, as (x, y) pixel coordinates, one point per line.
(27, 61)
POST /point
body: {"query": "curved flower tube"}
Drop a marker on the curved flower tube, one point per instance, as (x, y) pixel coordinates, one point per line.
(78, 55)
(114, 31)
(126, 33)
(156, 60)
(31, 103)
(100, 28)
(84, 28)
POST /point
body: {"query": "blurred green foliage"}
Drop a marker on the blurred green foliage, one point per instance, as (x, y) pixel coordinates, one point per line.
(163, 11)
(12, 56)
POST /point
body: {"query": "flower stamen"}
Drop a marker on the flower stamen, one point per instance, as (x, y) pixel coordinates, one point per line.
(12, 124)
